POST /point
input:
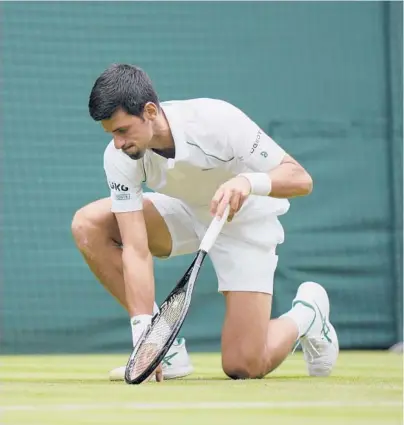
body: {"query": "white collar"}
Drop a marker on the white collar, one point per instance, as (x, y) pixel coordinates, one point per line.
(177, 131)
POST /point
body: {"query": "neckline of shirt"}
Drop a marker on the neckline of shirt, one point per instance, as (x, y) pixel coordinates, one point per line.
(177, 130)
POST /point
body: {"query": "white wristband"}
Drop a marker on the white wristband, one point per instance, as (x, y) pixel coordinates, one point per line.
(139, 324)
(261, 183)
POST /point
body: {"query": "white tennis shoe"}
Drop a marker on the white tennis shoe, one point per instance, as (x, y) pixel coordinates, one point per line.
(176, 363)
(320, 343)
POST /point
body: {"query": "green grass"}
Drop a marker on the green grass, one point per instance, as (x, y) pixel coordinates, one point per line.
(366, 388)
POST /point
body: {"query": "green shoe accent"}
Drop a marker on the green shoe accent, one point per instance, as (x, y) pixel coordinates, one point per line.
(167, 359)
(325, 330)
(309, 306)
(178, 341)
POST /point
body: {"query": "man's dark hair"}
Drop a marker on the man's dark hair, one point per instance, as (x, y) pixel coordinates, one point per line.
(121, 86)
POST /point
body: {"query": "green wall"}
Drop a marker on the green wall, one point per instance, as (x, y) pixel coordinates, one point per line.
(324, 79)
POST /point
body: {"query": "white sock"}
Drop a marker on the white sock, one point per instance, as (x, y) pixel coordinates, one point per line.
(303, 317)
(138, 324)
(155, 309)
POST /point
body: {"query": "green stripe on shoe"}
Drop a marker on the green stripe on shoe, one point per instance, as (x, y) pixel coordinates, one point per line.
(325, 329)
(178, 341)
(166, 360)
(309, 306)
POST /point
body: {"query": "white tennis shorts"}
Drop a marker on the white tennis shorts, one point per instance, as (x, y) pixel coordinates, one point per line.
(243, 256)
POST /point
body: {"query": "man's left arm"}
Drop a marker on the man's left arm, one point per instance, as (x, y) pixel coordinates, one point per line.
(264, 168)
(287, 180)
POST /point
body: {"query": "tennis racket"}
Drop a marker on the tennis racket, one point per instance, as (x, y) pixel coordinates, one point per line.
(157, 339)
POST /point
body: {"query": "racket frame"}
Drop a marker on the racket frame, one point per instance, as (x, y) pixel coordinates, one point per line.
(188, 279)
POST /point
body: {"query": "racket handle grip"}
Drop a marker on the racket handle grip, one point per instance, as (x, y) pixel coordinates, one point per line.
(213, 231)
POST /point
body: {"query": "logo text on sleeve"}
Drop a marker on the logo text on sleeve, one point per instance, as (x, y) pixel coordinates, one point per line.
(118, 187)
(256, 144)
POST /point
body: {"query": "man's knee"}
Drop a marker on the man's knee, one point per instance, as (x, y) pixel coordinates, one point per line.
(81, 226)
(244, 365)
(95, 224)
(91, 222)
(244, 337)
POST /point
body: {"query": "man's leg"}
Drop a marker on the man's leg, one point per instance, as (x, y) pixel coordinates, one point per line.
(97, 236)
(96, 233)
(252, 344)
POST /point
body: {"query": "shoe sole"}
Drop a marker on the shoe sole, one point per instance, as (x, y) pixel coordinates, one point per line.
(335, 343)
(180, 372)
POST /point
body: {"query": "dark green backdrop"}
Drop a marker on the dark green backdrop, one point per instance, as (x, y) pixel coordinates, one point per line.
(324, 79)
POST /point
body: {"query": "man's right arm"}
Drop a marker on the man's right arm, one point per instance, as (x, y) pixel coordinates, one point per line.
(124, 178)
(137, 263)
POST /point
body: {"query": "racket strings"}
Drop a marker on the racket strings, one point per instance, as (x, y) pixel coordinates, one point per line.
(160, 333)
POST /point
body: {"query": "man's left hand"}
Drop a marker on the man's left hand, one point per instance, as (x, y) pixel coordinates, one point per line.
(233, 192)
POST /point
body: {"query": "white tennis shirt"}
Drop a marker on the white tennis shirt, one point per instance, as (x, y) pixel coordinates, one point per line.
(214, 141)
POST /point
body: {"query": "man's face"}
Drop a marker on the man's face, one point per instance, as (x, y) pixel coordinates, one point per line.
(132, 134)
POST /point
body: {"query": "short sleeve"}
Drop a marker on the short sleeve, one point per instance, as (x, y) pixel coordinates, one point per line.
(124, 179)
(253, 148)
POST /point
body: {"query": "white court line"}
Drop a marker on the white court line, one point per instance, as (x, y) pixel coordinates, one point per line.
(202, 405)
